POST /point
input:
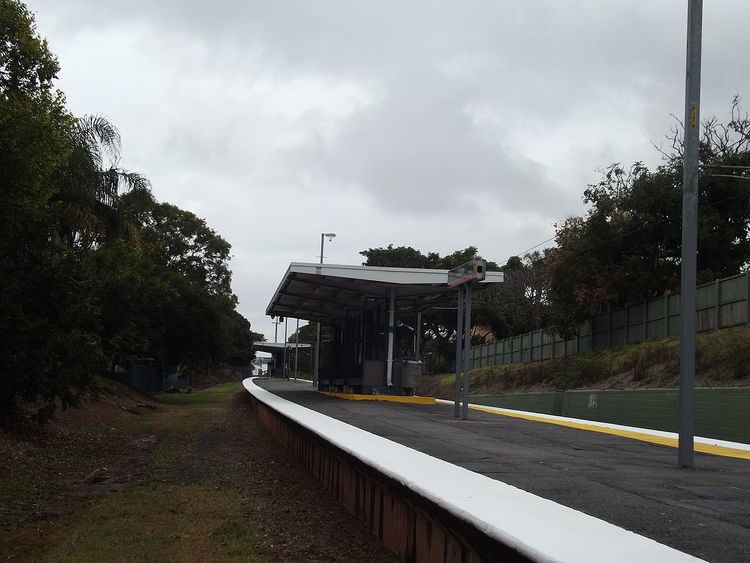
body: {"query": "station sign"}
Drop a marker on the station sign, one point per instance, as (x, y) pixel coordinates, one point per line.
(474, 270)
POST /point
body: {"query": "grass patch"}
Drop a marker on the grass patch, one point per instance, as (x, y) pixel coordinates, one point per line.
(157, 522)
(181, 508)
(212, 395)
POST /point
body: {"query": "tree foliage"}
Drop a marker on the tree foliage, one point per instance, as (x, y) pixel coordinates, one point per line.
(94, 272)
(439, 324)
(627, 246)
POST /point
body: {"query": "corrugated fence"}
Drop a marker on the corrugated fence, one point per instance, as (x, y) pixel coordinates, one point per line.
(719, 304)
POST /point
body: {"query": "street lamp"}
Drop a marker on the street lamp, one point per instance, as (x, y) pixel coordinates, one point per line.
(330, 236)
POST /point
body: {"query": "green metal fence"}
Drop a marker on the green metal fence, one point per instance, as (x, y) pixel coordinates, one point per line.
(719, 304)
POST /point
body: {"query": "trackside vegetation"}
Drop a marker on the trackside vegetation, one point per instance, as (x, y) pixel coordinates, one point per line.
(625, 248)
(94, 271)
(722, 360)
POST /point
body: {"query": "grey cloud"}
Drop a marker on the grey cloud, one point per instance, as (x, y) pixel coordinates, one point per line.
(417, 151)
(382, 120)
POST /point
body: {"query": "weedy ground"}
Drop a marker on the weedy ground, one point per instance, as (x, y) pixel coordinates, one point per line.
(722, 359)
(179, 477)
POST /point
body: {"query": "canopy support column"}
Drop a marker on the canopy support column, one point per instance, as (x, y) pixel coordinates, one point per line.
(296, 350)
(317, 356)
(467, 351)
(391, 330)
(459, 348)
(418, 336)
(285, 375)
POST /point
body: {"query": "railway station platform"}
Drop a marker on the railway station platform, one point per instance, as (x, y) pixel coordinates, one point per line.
(632, 485)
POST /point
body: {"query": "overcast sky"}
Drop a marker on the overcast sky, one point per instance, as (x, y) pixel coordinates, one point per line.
(432, 124)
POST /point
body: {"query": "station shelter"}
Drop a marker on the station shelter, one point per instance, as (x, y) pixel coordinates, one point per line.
(370, 320)
(282, 354)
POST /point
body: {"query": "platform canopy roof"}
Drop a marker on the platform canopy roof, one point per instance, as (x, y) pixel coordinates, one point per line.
(322, 292)
(278, 346)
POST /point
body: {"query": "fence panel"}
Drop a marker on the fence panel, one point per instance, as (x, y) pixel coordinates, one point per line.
(719, 304)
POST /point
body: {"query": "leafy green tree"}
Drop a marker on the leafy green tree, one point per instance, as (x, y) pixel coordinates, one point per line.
(239, 339)
(94, 272)
(439, 324)
(307, 335)
(520, 303)
(184, 243)
(167, 293)
(627, 246)
(408, 257)
(400, 257)
(89, 185)
(47, 317)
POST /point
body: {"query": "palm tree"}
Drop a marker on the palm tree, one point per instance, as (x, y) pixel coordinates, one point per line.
(90, 183)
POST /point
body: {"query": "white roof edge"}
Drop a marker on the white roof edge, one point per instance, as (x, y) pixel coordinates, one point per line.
(368, 268)
(375, 268)
(278, 288)
(377, 274)
(280, 345)
(306, 267)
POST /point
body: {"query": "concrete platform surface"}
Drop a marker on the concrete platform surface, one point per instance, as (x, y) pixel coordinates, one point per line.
(703, 511)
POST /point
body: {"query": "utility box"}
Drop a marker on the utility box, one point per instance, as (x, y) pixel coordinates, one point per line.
(373, 373)
(406, 374)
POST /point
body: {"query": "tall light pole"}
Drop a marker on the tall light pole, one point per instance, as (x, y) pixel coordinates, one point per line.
(330, 236)
(689, 233)
(323, 236)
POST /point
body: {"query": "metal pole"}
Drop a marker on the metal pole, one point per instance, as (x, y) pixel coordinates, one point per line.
(286, 322)
(275, 331)
(316, 365)
(317, 355)
(467, 351)
(391, 328)
(296, 350)
(418, 334)
(717, 307)
(459, 346)
(689, 233)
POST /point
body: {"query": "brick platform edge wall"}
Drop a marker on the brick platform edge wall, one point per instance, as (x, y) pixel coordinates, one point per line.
(415, 528)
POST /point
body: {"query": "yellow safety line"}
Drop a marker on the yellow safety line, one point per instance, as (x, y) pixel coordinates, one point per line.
(642, 436)
(413, 400)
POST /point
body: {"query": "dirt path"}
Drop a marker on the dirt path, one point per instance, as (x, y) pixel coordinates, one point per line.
(195, 479)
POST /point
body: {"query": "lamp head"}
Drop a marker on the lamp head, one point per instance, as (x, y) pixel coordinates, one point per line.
(330, 236)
